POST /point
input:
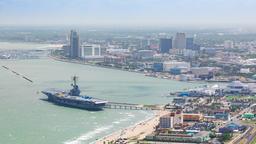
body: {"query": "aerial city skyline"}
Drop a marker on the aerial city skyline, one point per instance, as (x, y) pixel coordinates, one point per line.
(127, 71)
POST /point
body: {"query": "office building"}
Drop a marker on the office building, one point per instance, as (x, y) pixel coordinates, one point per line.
(74, 45)
(190, 43)
(165, 45)
(92, 51)
(179, 41)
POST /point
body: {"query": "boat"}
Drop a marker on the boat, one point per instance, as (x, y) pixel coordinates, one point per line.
(73, 98)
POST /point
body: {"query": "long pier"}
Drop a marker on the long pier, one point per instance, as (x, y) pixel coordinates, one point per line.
(128, 106)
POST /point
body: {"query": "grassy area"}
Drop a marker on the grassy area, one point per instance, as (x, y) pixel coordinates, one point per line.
(240, 97)
(253, 141)
(252, 123)
(249, 122)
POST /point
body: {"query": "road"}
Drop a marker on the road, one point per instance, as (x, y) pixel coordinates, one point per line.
(249, 134)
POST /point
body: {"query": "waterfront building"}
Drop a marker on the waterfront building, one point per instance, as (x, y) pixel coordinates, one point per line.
(186, 77)
(118, 52)
(158, 67)
(74, 44)
(168, 65)
(237, 87)
(166, 122)
(165, 45)
(204, 72)
(200, 137)
(114, 59)
(92, 52)
(175, 71)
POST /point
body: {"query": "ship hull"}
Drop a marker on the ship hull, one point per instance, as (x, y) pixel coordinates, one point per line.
(74, 103)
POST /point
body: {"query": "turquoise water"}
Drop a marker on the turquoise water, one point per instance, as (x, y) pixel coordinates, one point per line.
(25, 119)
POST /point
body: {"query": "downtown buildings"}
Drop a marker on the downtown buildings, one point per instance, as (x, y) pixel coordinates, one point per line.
(165, 45)
(74, 45)
(76, 50)
(180, 44)
(180, 41)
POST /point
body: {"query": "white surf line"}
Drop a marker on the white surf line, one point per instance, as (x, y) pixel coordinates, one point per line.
(148, 117)
(88, 135)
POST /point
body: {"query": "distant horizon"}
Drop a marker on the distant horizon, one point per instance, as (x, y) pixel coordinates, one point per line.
(129, 13)
(147, 27)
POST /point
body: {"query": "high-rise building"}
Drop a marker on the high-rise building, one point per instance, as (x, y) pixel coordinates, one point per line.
(179, 41)
(190, 43)
(74, 44)
(165, 45)
(166, 122)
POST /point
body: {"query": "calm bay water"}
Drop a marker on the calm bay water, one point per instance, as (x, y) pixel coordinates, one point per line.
(25, 119)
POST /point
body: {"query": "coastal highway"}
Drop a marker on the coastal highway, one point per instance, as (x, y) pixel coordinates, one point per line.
(247, 137)
(249, 134)
(244, 138)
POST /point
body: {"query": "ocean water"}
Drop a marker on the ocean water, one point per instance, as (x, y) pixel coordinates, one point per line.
(26, 119)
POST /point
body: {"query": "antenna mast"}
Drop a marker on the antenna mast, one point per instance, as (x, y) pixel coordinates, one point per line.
(74, 79)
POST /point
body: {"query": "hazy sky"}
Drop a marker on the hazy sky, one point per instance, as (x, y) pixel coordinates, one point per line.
(128, 12)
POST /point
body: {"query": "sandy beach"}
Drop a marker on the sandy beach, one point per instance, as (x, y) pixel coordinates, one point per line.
(137, 131)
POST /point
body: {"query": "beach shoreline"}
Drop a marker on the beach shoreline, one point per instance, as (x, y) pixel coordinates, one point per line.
(134, 132)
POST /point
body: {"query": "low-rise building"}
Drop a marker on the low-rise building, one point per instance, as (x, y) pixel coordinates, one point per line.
(192, 117)
(144, 54)
(204, 72)
(200, 137)
(158, 67)
(168, 65)
(237, 87)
